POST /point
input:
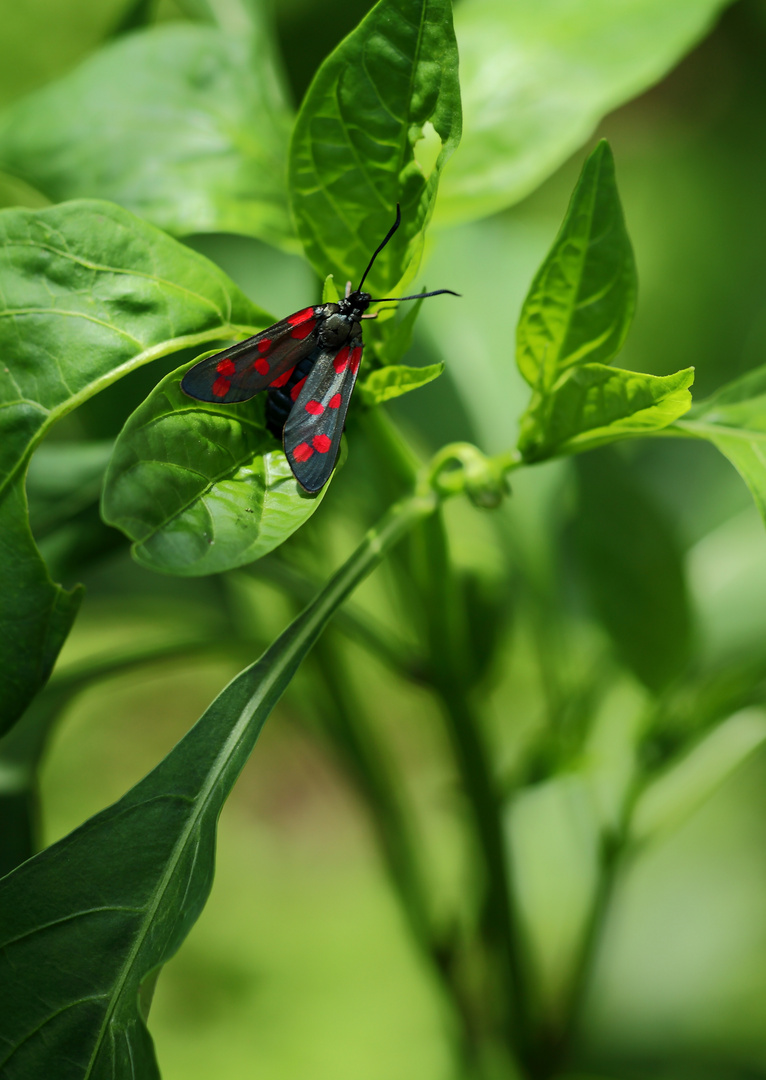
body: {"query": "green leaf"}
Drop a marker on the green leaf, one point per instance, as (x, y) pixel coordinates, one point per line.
(581, 300)
(88, 293)
(64, 478)
(185, 125)
(86, 925)
(201, 488)
(537, 78)
(388, 383)
(391, 337)
(594, 404)
(633, 570)
(35, 615)
(689, 782)
(734, 420)
(384, 97)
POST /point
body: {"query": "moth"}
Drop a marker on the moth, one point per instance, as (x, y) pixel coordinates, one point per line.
(308, 364)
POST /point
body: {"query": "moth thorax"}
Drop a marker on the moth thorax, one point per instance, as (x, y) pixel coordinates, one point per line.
(335, 329)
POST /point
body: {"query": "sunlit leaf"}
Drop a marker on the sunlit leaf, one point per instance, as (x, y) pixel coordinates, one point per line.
(537, 78)
(391, 382)
(385, 95)
(734, 420)
(201, 488)
(183, 124)
(581, 300)
(594, 404)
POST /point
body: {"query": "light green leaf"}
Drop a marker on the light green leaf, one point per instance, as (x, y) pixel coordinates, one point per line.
(376, 128)
(86, 925)
(594, 404)
(185, 125)
(388, 383)
(201, 488)
(581, 300)
(689, 782)
(734, 420)
(537, 78)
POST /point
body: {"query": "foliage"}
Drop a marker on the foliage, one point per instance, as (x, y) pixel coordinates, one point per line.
(92, 291)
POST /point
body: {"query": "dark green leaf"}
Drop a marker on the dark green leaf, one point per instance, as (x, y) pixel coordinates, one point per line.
(391, 382)
(594, 404)
(63, 479)
(734, 420)
(537, 78)
(376, 128)
(201, 488)
(85, 925)
(633, 569)
(185, 125)
(35, 615)
(88, 294)
(581, 301)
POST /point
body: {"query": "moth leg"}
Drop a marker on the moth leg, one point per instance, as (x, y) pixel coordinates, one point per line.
(367, 316)
(348, 288)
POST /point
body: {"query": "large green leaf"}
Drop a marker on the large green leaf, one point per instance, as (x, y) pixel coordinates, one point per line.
(201, 488)
(632, 568)
(86, 925)
(185, 125)
(375, 129)
(581, 300)
(594, 404)
(87, 293)
(537, 77)
(734, 420)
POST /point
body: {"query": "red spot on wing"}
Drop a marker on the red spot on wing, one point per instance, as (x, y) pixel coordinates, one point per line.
(301, 316)
(321, 443)
(334, 402)
(356, 357)
(340, 363)
(261, 366)
(225, 367)
(303, 331)
(302, 452)
(283, 378)
(297, 389)
(265, 345)
(316, 408)
(221, 386)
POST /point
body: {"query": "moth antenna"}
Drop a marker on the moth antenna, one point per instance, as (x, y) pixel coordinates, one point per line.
(380, 247)
(417, 296)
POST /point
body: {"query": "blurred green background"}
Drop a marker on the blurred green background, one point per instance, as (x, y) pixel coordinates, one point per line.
(301, 964)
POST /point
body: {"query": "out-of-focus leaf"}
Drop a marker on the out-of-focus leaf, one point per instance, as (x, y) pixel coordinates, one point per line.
(375, 129)
(184, 125)
(734, 420)
(201, 488)
(86, 925)
(678, 792)
(581, 300)
(633, 570)
(391, 382)
(536, 79)
(390, 337)
(594, 404)
(89, 293)
(63, 479)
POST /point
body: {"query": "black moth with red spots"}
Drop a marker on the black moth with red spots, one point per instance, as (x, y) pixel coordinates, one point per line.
(308, 363)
